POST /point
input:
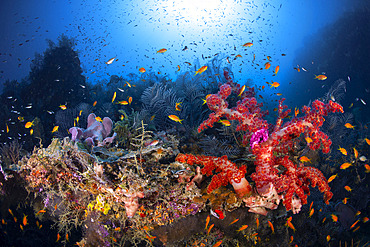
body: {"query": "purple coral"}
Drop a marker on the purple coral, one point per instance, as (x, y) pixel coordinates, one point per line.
(259, 136)
(96, 132)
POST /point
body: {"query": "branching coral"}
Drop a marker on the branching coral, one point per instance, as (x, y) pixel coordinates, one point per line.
(294, 180)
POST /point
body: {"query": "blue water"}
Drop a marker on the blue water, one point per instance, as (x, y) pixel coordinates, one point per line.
(304, 38)
(132, 31)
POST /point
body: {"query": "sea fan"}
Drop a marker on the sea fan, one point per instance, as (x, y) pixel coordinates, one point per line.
(68, 118)
(105, 110)
(215, 147)
(191, 106)
(160, 102)
(336, 92)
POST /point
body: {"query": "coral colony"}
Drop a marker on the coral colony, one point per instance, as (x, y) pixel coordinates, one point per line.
(127, 195)
(272, 184)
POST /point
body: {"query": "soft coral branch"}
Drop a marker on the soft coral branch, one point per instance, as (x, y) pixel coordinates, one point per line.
(292, 183)
(228, 172)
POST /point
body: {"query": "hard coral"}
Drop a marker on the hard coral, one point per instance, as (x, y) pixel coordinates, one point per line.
(96, 132)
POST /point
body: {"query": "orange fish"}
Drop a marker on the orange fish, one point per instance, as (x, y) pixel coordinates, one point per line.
(207, 221)
(241, 90)
(277, 69)
(163, 50)
(308, 139)
(354, 224)
(117, 229)
(328, 238)
(355, 152)
(342, 150)
(332, 177)
(63, 107)
(296, 111)
(25, 220)
(177, 106)
(178, 68)
(21, 227)
(257, 222)
(356, 229)
(367, 141)
(55, 129)
(238, 56)
(95, 102)
(345, 166)
(122, 102)
(128, 84)
(28, 125)
(58, 237)
(348, 188)
(11, 212)
(225, 122)
(110, 61)
(365, 219)
(349, 126)
(129, 100)
(323, 220)
(243, 227)
(217, 244)
(114, 96)
(248, 44)
(290, 224)
(267, 65)
(201, 69)
(321, 77)
(311, 212)
(7, 128)
(345, 200)
(311, 205)
(3, 222)
(367, 167)
(234, 221)
(15, 219)
(304, 159)
(275, 84)
(67, 237)
(41, 212)
(334, 217)
(175, 118)
(142, 70)
(210, 227)
(271, 226)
